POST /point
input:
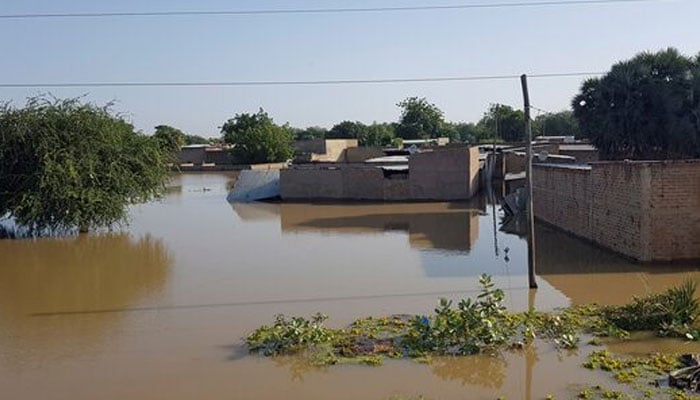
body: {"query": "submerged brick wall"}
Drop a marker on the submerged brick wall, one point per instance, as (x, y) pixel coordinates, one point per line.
(439, 175)
(649, 211)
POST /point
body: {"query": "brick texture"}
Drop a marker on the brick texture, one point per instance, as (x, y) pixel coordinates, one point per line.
(649, 211)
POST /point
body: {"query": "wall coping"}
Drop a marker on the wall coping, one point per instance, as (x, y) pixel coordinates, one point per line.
(647, 162)
(575, 167)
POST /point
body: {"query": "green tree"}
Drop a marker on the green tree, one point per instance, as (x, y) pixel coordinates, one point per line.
(169, 138)
(375, 135)
(646, 107)
(502, 122)
(467, 132)
(348, 130)
(310, 133)
(562, 123)
(420, 120)
(378, 135)
(257, 139)
(65, 164)
(195, 139)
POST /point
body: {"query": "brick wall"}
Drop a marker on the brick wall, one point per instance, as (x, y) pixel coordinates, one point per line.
(342, 182)
(335, 150)
(191, 155)
(618, 206)
(218, 157)
(443, 174)
(438, 175)
(581, 156)
(562, 198)
(649, 211)
(323, 150)
(675, 210)
(515, 163)
(362, 154)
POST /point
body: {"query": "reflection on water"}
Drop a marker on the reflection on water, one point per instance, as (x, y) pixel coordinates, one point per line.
(640, 344)
(77, 273)
(444, 233)
(483, 370)
(589, 274)
(160, 312)
(452, 227)
(441, 226)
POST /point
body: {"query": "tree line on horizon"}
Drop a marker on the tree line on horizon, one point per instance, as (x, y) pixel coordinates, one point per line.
(419, 119)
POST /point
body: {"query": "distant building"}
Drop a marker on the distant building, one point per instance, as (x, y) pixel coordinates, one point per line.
(555, 139)
(441, 141)
(333, 150)
(204, 156)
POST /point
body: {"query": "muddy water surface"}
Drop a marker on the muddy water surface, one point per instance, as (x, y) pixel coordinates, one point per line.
(158, 311)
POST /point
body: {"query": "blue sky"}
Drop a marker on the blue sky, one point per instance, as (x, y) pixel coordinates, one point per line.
(326, 46)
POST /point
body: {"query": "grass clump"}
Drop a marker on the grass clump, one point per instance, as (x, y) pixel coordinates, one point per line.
(671, 313)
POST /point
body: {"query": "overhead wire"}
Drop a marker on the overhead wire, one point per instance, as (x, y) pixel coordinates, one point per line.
(522, 4)
(541, 111)
(8, 85)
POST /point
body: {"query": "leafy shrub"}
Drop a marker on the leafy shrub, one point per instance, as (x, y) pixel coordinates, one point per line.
(289, 335)
(469, 329)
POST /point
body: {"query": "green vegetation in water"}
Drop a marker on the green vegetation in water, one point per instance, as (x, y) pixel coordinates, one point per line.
(637, 375)
(474, 326)
(671, 313)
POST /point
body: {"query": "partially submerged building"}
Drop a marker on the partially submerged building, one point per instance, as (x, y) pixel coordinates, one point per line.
(443, 174)
(646, 210)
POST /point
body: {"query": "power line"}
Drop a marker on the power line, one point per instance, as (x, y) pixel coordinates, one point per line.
(540, 110)
(525, 4)
(292, 83)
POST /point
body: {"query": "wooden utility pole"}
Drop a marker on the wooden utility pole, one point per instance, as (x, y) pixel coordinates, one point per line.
(528, 182)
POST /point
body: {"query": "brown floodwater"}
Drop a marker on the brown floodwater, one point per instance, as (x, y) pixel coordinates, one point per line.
(158, 310)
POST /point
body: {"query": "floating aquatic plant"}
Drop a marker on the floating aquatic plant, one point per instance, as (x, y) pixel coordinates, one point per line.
(474, 326)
